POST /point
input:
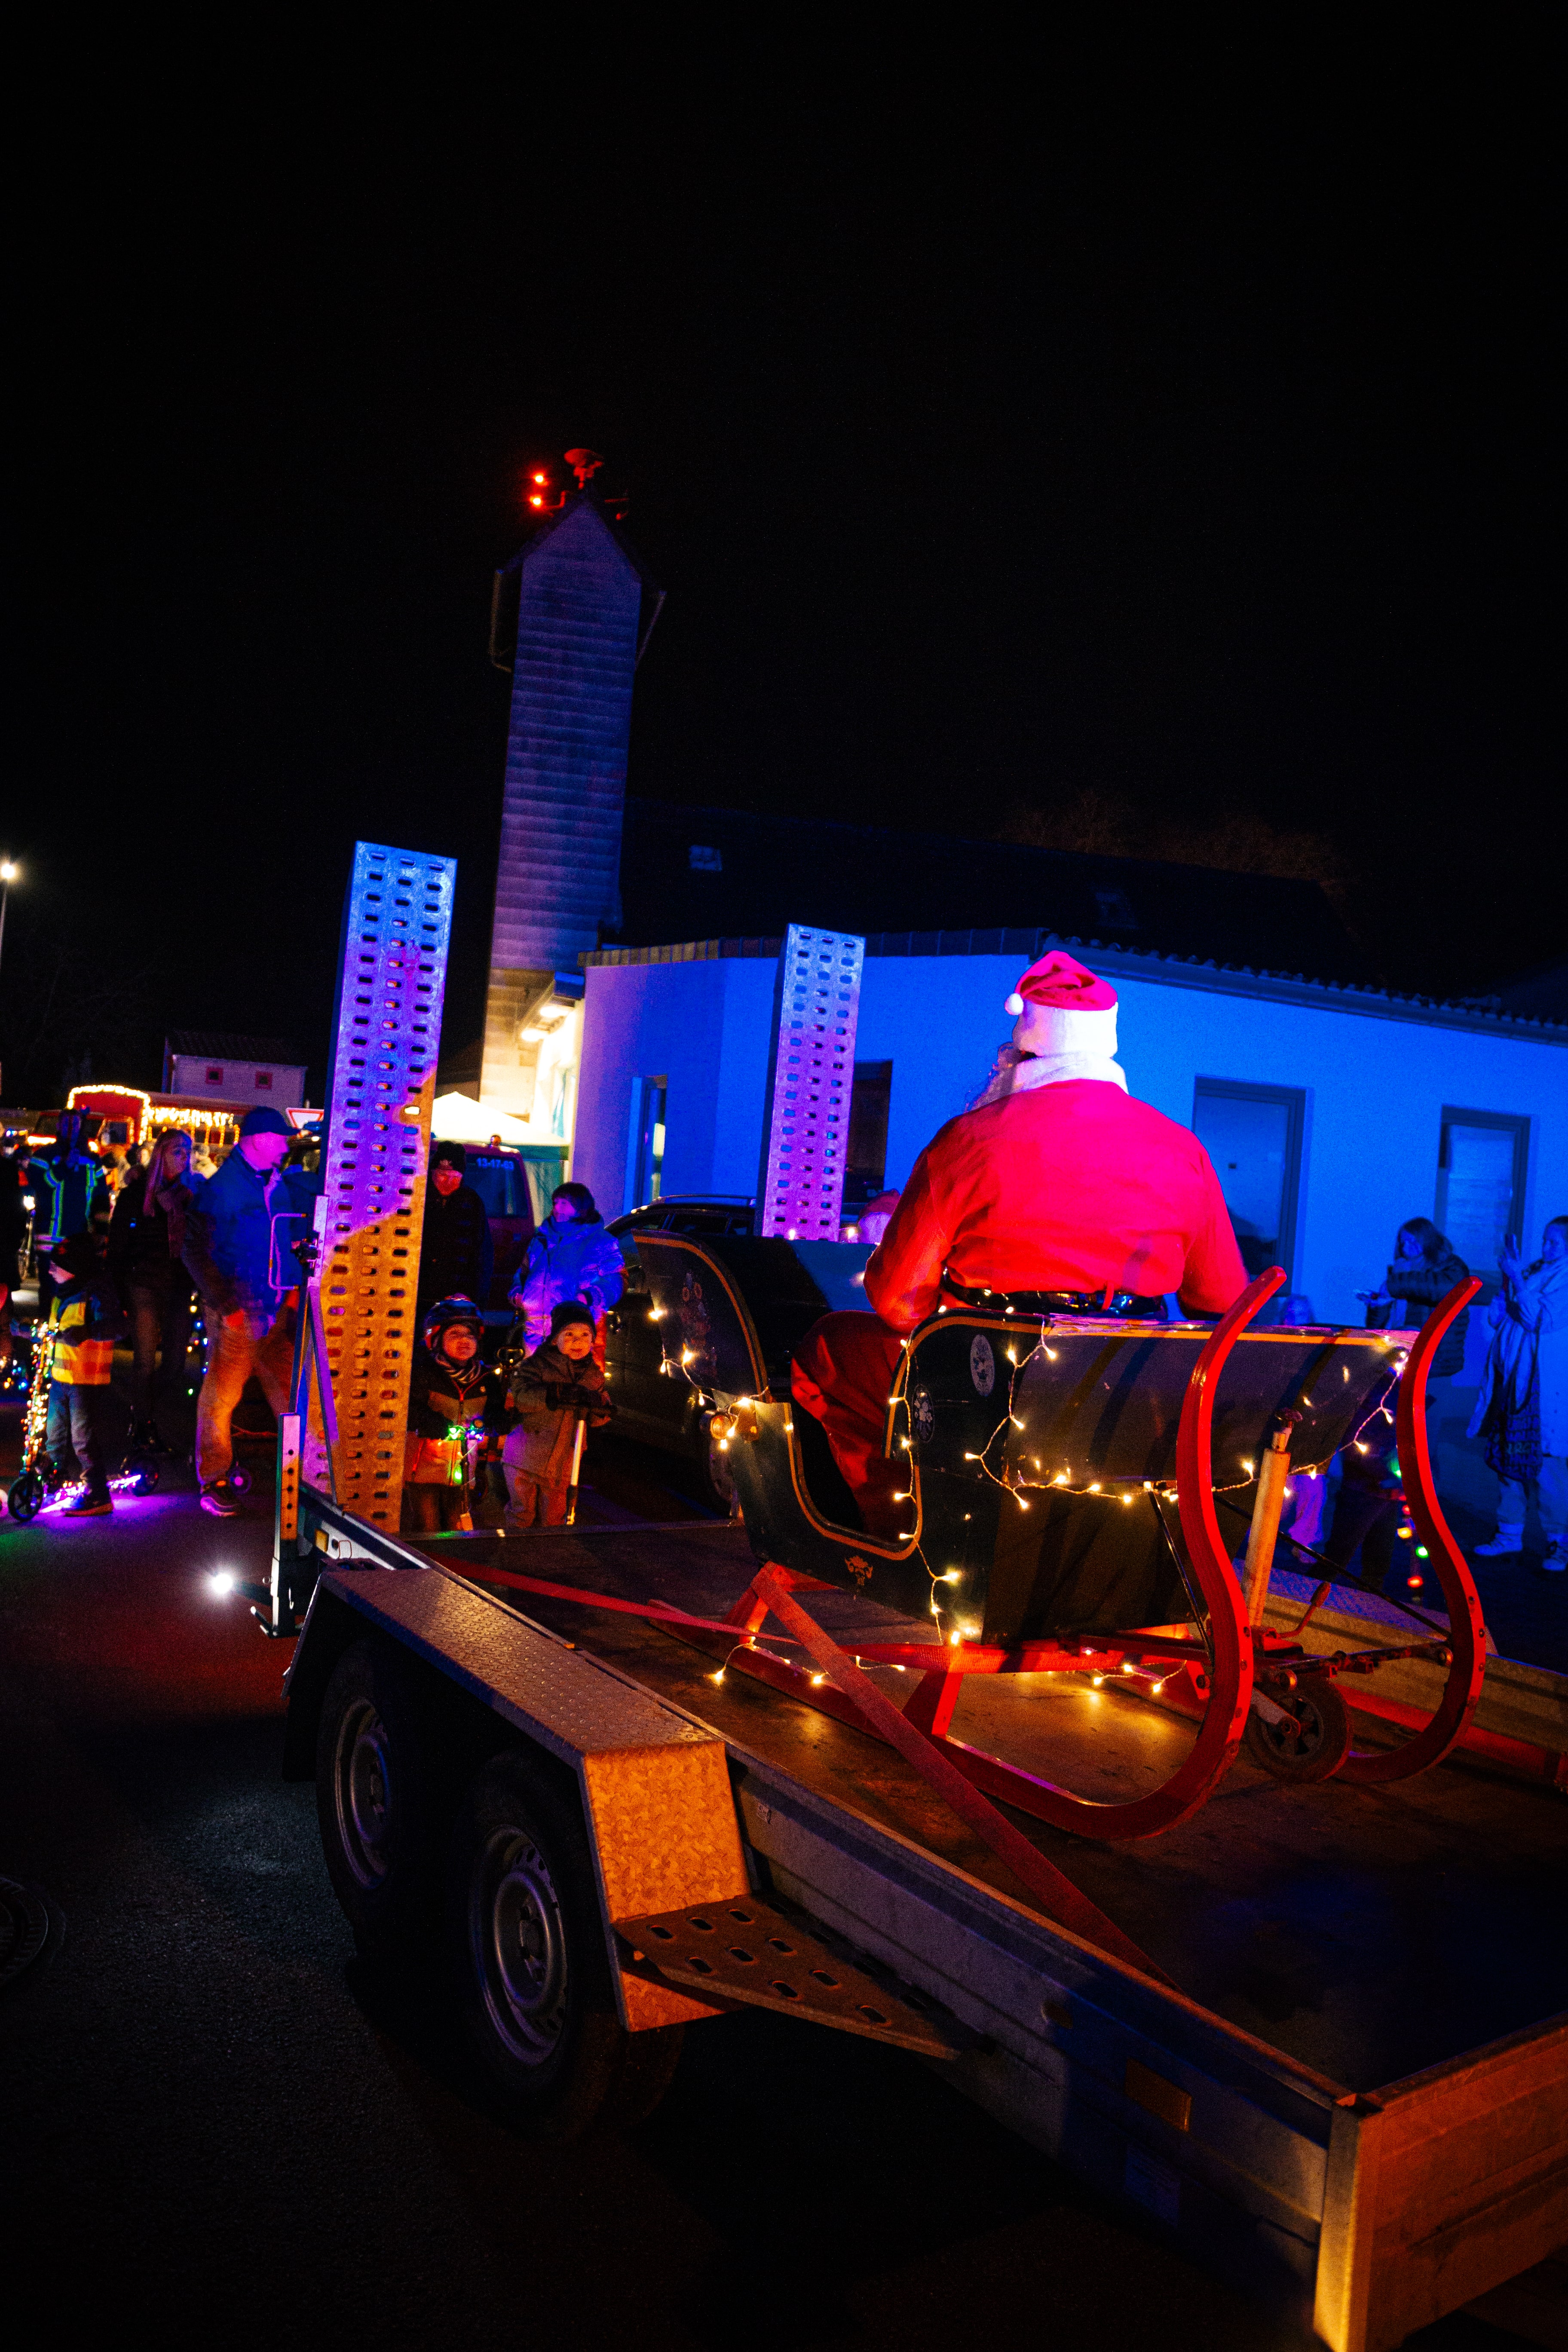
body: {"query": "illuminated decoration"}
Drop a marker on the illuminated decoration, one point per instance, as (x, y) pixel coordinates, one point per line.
(811, 1071)
(150, 1115)
(131, 1103)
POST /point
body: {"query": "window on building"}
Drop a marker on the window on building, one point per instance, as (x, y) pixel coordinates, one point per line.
(866, 1162)
(264, 1078)
(1253, 1135)
(215, 1078)
(1483, 1158)
(705, 861)
(649, 1177)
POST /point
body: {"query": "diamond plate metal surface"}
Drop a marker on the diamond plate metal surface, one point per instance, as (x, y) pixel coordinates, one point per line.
(800, 1191)
(745, 1951)
(560, 1696)
(396, 930)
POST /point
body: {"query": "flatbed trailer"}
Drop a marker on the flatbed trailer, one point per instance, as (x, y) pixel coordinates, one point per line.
(1311, 2030)
(1340, 2082)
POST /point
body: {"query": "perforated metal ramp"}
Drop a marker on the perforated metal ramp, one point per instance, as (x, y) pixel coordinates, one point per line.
(557, 1693)
(747, 1952)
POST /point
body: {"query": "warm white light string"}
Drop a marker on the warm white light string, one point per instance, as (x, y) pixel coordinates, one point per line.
(1162, 1490)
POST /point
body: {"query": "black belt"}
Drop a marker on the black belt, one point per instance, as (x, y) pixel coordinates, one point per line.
(1124, 1305)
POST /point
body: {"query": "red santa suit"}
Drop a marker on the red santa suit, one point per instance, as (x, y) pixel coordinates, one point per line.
(1058, 1181)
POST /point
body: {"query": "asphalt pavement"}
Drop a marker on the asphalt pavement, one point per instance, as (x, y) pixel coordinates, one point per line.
(219, 2125)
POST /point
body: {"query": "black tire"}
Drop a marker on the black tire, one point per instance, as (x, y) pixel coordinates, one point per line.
(27, 1495)
(1322, 1744)
(376, 1802)
(147, 1477)
(526, 1942)
(240, 1479)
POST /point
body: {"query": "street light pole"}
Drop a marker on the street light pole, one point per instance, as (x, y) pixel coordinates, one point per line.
(7, 876)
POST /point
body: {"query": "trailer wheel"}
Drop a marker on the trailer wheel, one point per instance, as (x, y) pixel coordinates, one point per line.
(1320, 1747)
(527, 1943)
(374, 1799)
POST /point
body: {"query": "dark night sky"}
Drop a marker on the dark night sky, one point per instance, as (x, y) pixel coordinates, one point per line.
(1178, 423)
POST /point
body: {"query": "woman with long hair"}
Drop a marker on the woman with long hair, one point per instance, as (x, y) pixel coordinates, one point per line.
(1426, 1268)
(146, 1233)
(1522, 1408)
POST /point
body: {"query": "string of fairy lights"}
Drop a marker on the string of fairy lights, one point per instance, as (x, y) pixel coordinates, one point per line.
(1126, 1492)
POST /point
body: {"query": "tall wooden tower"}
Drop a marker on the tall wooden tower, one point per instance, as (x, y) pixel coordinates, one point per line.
(579, 596)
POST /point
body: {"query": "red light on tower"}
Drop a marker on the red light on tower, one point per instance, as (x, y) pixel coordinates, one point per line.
(539, 491)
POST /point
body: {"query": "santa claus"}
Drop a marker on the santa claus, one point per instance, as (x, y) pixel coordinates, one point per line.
(1056, 1190)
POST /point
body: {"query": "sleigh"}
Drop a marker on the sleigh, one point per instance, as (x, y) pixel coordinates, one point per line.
(1092, 1501)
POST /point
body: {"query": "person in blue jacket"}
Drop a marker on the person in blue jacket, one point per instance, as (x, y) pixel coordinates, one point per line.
(572, 1256)
(239, 1235)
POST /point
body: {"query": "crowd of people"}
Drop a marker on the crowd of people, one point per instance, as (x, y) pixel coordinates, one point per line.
(137, 1243)
(134, 1245)
(525, 1419)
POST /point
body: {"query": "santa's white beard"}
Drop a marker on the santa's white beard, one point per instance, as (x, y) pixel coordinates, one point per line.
(1020, 1074)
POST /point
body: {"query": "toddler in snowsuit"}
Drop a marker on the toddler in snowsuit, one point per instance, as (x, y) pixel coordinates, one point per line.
(446, 1412)
(84, 1323)
(552, 1391)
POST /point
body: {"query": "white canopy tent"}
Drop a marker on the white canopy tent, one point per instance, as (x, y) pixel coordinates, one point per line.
(457, 1118)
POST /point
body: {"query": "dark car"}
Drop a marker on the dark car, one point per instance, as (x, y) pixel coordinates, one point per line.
(785, 1285)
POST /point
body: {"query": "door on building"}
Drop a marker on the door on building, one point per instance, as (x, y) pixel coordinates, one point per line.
(1483, 1159)
(1253, 1135)
(647, 1171)
(865, 1165)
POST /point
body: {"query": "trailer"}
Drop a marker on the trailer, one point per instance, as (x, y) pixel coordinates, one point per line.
(1305, 2022)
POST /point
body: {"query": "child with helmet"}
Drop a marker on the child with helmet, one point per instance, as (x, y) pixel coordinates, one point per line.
(553, 1389)
(446, 1419)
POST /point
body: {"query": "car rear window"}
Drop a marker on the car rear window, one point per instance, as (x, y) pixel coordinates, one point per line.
(500, 1184)
(707, 1220)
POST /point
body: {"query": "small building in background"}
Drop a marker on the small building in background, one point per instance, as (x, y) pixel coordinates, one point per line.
(202, 1065)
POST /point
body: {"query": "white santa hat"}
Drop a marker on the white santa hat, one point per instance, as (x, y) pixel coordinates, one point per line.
(1063, 1009)
(1065, 1029)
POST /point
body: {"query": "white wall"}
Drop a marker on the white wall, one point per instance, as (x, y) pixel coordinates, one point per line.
(1376, 1086)
(704, 1026)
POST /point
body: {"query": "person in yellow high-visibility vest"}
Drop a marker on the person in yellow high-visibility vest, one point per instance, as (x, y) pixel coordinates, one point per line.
(84, 1322)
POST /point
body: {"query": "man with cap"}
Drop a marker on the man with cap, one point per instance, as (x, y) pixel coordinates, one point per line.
(239, 1233)
(456, 1253)
(1056, 1188)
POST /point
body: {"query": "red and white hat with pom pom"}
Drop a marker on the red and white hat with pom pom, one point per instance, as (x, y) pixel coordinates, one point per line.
(1062, 1008)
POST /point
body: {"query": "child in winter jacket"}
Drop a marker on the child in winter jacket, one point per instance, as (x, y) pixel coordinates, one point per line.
(446, 1419)
(555, 1389)
(572, 1256)
(84, 1323)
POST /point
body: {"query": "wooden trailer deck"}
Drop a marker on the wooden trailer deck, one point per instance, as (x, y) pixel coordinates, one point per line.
(1367, 1932)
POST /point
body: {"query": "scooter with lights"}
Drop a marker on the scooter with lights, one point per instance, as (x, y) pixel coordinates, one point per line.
(34, 1488)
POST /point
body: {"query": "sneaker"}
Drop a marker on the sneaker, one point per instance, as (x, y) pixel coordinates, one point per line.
(87, 1506)
(1556, 1558)
(218, 1498)
(1504, 1545)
